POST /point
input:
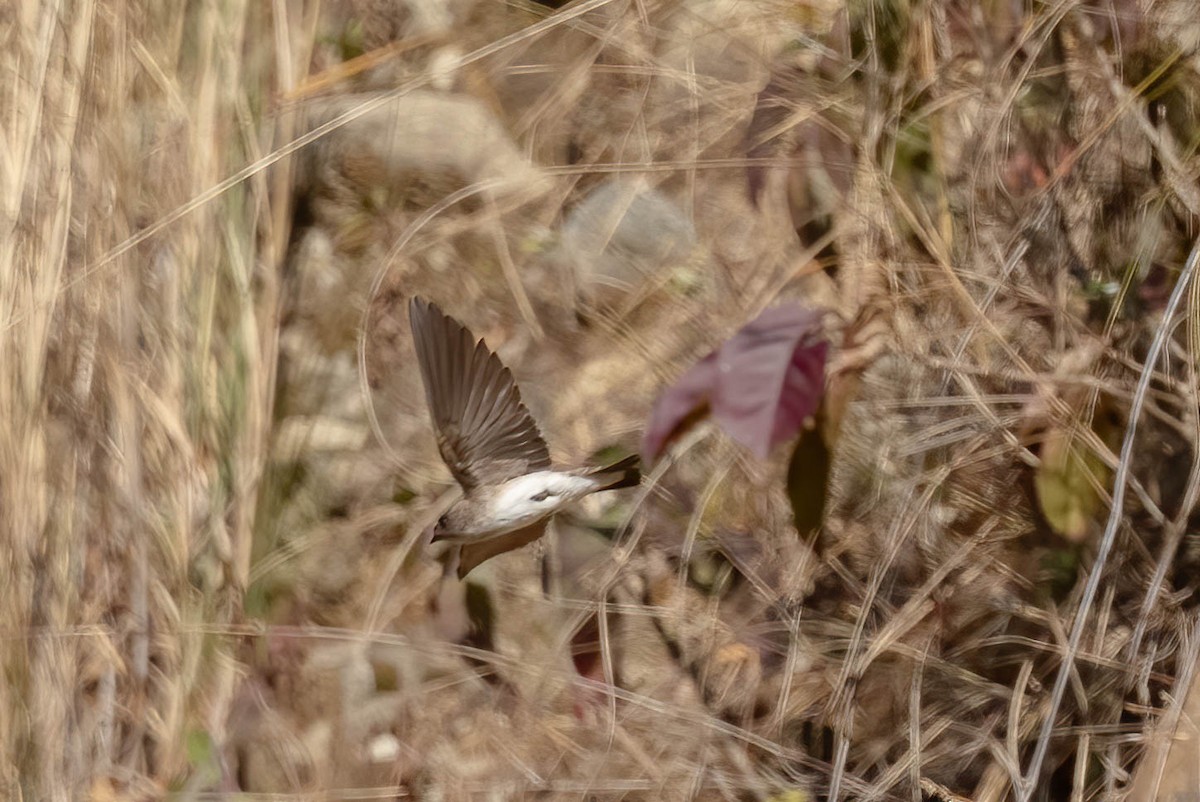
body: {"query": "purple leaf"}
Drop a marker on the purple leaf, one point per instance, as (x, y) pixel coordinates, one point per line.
(771, 376)
(760, 385)
(683, 404)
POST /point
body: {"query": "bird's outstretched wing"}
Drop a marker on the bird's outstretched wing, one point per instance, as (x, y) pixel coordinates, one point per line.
(484, 433)
(472, 554)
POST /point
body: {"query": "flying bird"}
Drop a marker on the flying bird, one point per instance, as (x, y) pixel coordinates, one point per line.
(492, 445)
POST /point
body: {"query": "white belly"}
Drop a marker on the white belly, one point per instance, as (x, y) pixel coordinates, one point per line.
(521, 501)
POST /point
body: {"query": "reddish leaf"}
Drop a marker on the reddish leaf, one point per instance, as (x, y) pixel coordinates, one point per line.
(585, 650)
(771, 376)
(759, 386)
(587, 655)
(679, 407)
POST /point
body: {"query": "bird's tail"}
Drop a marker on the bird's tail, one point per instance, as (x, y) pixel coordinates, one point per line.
(622, 473)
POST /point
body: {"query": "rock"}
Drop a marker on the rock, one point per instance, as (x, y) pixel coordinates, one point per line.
(622, 235)
(423, 133)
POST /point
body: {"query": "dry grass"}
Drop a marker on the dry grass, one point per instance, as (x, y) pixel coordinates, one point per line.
(214, 458)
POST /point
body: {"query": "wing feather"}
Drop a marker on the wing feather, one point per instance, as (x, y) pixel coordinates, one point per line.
(472, 554)
(485, 434)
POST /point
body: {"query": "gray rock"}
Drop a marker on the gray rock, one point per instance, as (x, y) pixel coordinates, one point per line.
(623, 234)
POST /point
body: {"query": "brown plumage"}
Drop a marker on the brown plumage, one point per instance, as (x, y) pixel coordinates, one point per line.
(492, 445)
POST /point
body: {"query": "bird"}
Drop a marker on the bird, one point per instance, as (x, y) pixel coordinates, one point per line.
(492, 446)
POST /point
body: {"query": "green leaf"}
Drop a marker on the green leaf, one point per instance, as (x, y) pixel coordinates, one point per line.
(200, 749)
(808, 480)
(1058, 569)
(202, 757)
(1068, 484)
(790, 795)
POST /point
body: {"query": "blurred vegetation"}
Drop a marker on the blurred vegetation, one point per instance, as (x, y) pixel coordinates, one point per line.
(216, 466)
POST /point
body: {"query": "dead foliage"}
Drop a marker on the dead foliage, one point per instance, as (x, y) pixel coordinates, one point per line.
(215, 461)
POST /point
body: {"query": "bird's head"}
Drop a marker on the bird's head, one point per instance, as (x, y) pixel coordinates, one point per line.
(443, 529)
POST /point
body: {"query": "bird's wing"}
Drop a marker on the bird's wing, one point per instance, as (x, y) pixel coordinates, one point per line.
(484, 433)
(472, 554)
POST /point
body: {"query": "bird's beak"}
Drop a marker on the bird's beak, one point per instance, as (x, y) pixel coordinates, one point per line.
(440, 534)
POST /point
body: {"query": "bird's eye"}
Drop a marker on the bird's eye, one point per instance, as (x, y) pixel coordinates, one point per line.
(442, 523)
